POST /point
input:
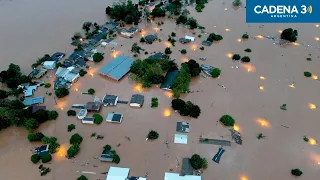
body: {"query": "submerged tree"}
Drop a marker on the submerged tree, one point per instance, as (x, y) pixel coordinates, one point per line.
(125, 11)
(135, 48)
(289, 35)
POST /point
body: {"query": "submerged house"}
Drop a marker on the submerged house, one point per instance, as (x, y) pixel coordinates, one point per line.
(136, 100)
(93, 106)
(186, 167)
(206, 43)
(128, 33)
(38, 73)
(176, 176)
(49, 64)
(35, 108)
(70, 74)
(150, 38)
(169, 79)
(57, 56)
(184, 40)
(182, 127)
(111, 100)
(158, 56)
(117, 68)
(42, 150)
(117, 173)
(114, 117)
(87, 120)
(82, 113)
(33, 100)
(206, 68)
(106, 156)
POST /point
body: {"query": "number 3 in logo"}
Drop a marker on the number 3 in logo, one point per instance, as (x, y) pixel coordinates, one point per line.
(304, 9)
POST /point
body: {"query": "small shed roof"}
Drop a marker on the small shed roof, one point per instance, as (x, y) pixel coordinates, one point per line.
(49, 63)
(82, 112)
(117, 68)
(182, 127)
(93, 106)
(157, 56)
(137, 99)
(117, 173)
(106, 156)
(186, 167)
(180, 139)
(206, 43)
(169, 79)
(114, 117)
(57, 56)
(150, 38)
(109, 99)
(190, 38)
(34, 100)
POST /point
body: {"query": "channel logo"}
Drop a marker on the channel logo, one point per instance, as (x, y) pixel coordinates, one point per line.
(286, 11)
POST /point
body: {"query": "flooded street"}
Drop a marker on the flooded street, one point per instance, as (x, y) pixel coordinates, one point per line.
(253, 96)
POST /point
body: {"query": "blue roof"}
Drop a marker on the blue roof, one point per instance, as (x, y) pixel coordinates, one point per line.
(117, 68)
(169, 79)
(34, 100)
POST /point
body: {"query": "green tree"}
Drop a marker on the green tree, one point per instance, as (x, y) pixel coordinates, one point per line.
(91, 91)
(35, 158)
(97, 57)
(245, 36)
(215, 72)
(296, 172)
(3, 94)
(53, 115)
(82, 72)
(47, 85)
(153, 135)
(76, 139)
(142, 40)
(167, 50)
(125, 11)
(236, 57)
(71, 112)
(116, 158)
(73, 150)
(135, 48)
(196, 162)
(107, 147)
(248, 50)
(61, 92)
(98, 119)
(245, 59)
(227, 120)
(158, 12)
(46, 158)
(45, 140)
(195, 111)
(289, 35)
(41, 115)
(82, 177)
(181, 83)
(192, 23)
(71, 127)
(307, 74)
(86, 26)
(182, 19)
(214, 37)
(154, 102)
(236, 3)
(177, 104)
(30, 124)
(35, 136)
(183, 51)
(192, 67)
(16, 104)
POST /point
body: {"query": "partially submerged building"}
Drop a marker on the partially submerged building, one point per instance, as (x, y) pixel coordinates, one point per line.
(42, 150)
(184, 40)
(176, 176)
(93, 106)
(117, 68)
(33, 100)
(150, 38)
(106, 156)
(114, 117)
(29, 90)
(169, 79)
(87, 120)
(180, 139)
(117, 173)
(206, 43)
(158, 56)
(128, 33)
(137, 100)
(206, 69)
(57, 56)
(82, 113)
(37, 73)
(36, 108)
(66, 76)
(182, 127)
(49, 64)
(109, 100)
(186, 167)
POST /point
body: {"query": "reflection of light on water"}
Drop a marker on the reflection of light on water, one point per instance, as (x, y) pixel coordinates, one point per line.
(244, 178)
(312, 106)
(185, 59)
(61, 153)
(280, 31)
(167, 44)
(227, 29)
(77, 89)
(263, 122)
(317, 25)
(168, 93)
(115, 54)
(296, 44)
(249, 67)
(261, 88)
(236, 127)
(312, 141)
(262, 77)
(156, 29)
(91, 74)
(194, 47)
(314, 77)
(259, 36)
(229, 55)
(138, 88)
(315, 158)
(317, 38)
(226, 9)
(292, 86)
(239, 40)
(167, 112)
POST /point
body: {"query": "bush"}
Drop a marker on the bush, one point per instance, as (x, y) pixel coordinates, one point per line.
(61, 92)
(142, 40)
(189, 109)
(97, 57)
(46, 158)
(153, 135)
(98, 119)
(245, 36)
(71, 112)
(73, 150)
(305, 138)
(82, 72)
(245, 59)
(91, 91)
(215, 72)
(192, 67)
(177, 104)
(307, 74)
(183, 51)
(247, 50)
(116, 158)
(227, 120)
(195, 111)
(236, 3)
(182, 19)
(289, 35)
(308, 59)
(201, 48)
(47, 85)
(296, 172)
(82, 177)
(236, 57)
(53, 115)
(214, 37)
(283, 107)
(3, 94)
(71, 127)
(35, 136)
(154, 102)
(167, 50)
(76, 139)
(107, 147)
(35, 158)
(30, 124)
(197, 162)
(192, 23)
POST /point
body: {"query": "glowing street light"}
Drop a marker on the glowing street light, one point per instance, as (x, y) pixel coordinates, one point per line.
(229, 55)
(296, 44)
(239, 40)
(312, 106)
(227, 29)
(262, 78)
(312, 141)
(317, 38)
(167, 112)
(261, 88)
(317, 25)
(226, 9)
(292, 86)
(236, 127)
(263, 122)
(259, 36)
(279, 31)
(314, 77)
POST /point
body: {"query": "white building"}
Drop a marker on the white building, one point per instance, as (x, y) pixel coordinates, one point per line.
(67, 74)
(190, 38)
(82, 113)
(88, 120)
(117, 173)
(176, 176)
(49, 64)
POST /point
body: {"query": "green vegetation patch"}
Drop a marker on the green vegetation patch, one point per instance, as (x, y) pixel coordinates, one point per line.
(227, 120)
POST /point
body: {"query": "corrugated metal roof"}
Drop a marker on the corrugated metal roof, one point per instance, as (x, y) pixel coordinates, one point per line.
(117, 173)
(170, 77)
(34, 100)
(117, 68)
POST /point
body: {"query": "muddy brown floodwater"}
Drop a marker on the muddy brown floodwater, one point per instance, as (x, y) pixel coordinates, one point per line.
(253, 95)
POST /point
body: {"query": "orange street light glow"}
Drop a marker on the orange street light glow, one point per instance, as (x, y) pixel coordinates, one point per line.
(138, 88)
(259, 36)
(314, 77)
(236, 127)
(226, 9)
(168, 93)
(229, 55)
(167, 112)
(291, 86)
(185, 59)
(296, 44)
(262, 77)
(312, 141)
(263, 122)
(239, 40)
(167, 44)
(280, 31)
(249, 67)
(227, 29)
(317, 38)
(312, 106)
(194, 47)
(91, 74)
(244, 178)
(77, 89)
(156, 29)
(261, 88)
(317, 25)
